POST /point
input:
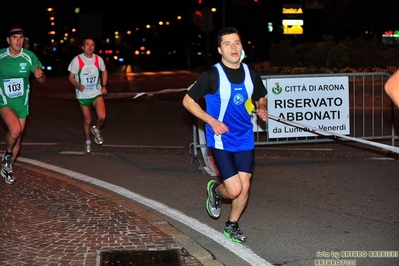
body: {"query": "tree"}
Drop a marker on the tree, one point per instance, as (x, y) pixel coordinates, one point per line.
(349, 19)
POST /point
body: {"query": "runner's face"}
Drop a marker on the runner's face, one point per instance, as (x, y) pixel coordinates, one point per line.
(88, 47)
(230, 48)
(16, 41)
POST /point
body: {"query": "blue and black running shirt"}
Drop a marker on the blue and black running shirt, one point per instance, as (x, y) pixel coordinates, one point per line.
(227, 93)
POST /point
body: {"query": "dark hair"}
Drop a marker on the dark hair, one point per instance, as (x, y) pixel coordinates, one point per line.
(15, 30)
(87, 38)
(226, 31)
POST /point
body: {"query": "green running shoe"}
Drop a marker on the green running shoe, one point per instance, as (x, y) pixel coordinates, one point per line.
(213, 202)
(232, 230)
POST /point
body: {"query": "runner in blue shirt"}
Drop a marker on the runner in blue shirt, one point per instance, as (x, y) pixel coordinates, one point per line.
(231, 90)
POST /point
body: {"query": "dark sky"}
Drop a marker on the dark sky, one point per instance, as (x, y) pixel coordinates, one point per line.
(32, 15)
(118, 15)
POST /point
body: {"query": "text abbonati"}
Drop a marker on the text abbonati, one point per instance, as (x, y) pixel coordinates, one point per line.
(314, 115)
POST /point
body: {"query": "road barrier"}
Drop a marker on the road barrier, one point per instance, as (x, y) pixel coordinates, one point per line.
(371, 115)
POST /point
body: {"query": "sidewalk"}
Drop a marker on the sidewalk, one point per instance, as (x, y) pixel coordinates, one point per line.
(49, 219)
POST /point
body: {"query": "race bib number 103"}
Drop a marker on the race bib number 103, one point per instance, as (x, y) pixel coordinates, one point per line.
(14, 87)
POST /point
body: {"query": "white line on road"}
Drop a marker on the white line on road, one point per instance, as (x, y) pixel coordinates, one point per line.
(142, 146)
(239, 250)
(72, 152)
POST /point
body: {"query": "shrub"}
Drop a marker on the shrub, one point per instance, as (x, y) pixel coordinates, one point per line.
(358, 55)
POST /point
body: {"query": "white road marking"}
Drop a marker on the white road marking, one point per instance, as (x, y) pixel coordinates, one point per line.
(37, 143)
(240, 250)
(142, 146)
(72, 152)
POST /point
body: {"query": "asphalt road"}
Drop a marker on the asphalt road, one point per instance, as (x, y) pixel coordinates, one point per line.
(309, 203)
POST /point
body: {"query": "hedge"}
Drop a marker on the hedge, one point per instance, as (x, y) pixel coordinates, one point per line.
(356, 55)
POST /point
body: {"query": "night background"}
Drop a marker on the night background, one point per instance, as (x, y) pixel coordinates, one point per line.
(341, 19)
